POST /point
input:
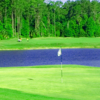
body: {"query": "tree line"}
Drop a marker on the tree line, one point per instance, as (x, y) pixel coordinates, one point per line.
(36, 18)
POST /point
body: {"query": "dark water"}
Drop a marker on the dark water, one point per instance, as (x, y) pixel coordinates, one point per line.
(89, 57)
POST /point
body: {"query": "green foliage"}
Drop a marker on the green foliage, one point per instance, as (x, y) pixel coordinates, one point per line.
(1, 30)
(9, 30)
(1, 26)
(52, 30)
(58, 33)
(1, 37)
(25, 28)
(35, 18)
(82, 33)
(68, 32)
(90, 27)
(34, 35)
(97, 31)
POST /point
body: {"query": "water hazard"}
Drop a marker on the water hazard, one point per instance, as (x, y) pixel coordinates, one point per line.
(89, 57)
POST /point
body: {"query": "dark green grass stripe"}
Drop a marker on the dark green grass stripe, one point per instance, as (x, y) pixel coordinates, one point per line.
(8, 94)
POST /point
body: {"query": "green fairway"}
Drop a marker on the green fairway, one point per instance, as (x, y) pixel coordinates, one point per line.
(44, 83)
(49, 43)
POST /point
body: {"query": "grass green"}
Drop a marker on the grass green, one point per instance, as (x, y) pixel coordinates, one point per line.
(44, 83)
(49, 43)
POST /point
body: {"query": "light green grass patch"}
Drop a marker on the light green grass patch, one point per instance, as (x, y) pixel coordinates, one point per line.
(49, 43)
(44, 83)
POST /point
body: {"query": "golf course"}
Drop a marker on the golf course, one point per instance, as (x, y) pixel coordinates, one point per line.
(49, 49)
(49, 43)
(45, 82)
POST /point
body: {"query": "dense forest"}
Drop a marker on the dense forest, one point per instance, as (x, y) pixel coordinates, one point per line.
(36, 18)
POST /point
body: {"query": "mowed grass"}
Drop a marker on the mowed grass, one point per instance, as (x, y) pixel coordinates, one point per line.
(49, 43)
(44, 83)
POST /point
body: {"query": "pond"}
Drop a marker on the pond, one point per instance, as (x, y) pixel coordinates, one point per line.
(89, 57)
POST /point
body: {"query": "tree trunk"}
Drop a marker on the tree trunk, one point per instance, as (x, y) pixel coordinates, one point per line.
(68, 25)
(37, 23)
(48, 24)
(13, 23)
(18, 26)
(5, 17)
(54, 23)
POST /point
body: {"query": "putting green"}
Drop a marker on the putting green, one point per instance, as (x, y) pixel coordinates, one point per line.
(44, 83)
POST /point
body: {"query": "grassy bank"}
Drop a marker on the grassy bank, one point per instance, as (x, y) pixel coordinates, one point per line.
(44, 83)
(49, 43)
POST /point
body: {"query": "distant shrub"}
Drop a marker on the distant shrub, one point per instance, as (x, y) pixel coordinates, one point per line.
(1, 37)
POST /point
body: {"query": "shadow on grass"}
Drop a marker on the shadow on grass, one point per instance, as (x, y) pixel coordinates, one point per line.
(8, 94)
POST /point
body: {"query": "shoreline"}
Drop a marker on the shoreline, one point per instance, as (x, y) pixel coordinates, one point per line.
(46, 48)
